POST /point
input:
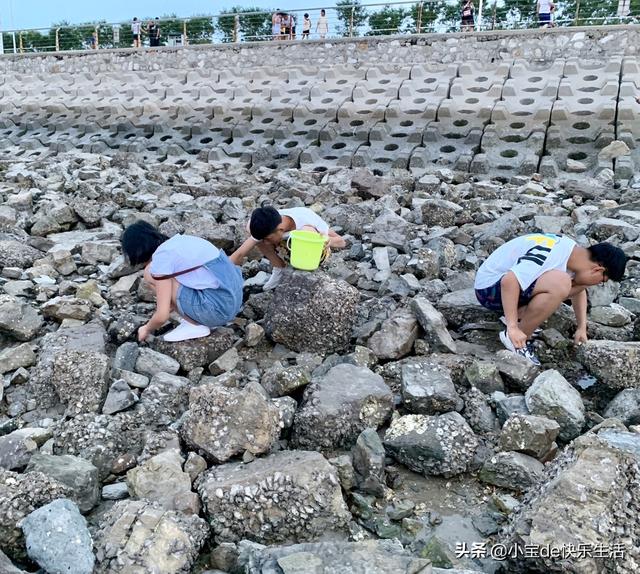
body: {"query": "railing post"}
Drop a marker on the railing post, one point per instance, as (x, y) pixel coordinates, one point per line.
(97, 38)
(13, 37)
(575, 22)
(57, 39)
(1, 42)
(493, 17)
(236, 28)
(185, 39)
(351, 22)
(419, 23)
(20, 39)
(479, 22)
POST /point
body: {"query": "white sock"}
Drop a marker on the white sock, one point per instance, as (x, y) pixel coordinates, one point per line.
(185, 331)
(276, 277)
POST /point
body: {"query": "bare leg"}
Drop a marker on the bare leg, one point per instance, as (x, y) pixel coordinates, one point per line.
(551, 289)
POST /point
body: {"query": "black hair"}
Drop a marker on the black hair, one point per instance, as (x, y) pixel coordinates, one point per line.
(306, 15)
(264, 221)
(135, 18)
(139, 242)
(612, 258)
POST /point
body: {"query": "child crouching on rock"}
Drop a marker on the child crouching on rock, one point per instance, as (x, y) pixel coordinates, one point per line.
(270, 228)
(189, 275)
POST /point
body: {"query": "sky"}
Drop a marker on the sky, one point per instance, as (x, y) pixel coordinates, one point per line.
(26, 14)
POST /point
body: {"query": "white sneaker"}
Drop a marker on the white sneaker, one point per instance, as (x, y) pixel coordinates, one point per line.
(526, 352)
(274, 280)
(534, 335)
(185, 331)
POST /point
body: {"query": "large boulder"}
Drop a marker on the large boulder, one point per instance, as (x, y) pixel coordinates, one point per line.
(77, 474)
(460, 307)
(312, 312)
(223, 422)
(615, 364)
(590, 500)
(141, 536)
(529, 434)
(19, 319)
(512, 470)
(161, 479)
(57, 538)
(164, 400)
(339, 406)
(20, 495)
(625, 406)
(289, 496)
(365, 557)
(434, 325)
(552, 396)
(17, 254)
(441, 445)
(427, 388)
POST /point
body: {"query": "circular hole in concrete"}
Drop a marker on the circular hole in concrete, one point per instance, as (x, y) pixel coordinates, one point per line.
(267, 120)
(227, 119)
(447, 149)
(247, 143)
(460, 123)
(383, 160)
(472, 100)
(310, 122)
(165, 138)
(478, 89)
(290, 144)
(356, 123)
(377, 91)
(330, 157)
(385, 81)
(320, 168)
(399, 135)
(509, 153)
(578, 140)
(588, 89)
(513, 139)
(531, 90)
(406, 123)
(327, 100)
(339, 145)
(585, 101)
(129, 136)
(527, 101)
(516, 125)
(590, 78)
(535, 79)
(584, 113)
(521, 113)
(429, 80)
(419, 101)
(453, 136)
(391, 147)
(340, 82)
(334, 91)
(577, 155)
(481, 79)
(257, 132)
(371, 101)
(581, 126)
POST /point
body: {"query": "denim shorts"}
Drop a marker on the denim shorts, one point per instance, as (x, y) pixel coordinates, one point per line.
(213, 307)
(491, 297)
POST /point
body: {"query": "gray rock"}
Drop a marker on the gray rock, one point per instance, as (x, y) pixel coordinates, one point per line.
(172, 540)
(223, 422)
(164, 400)
(615, 364)
(625, 406)
(512, 470)
(509, 405)
(312, 312)
(461, 307)
(613, 315)
(253, 334)
(485, 376)
(226, 362)
(279, 381)
(440, 212)
(434, 325)
(368, 463)
(119, 398)
(17, 254)
(339, 406)
(551, 396)
(67, 307)
(12, 358)
(478, 413)
(134, 380)
(195, 465)
(441, 445)
(7, 567)
(161, 479)
(151, 363)
(365, 557)
(603, 294)
(517, 370)
(17, 448)
(77, 474)
(126, 356)
(115, 491)
(287, 407)
(396, 336)
(427, 388)
(19, 319)
(284, 497)
(529, 434)
(57, 538)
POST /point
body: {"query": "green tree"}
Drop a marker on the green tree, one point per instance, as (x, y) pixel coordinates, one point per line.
(254, 24)
(386, 21)
(349, 11)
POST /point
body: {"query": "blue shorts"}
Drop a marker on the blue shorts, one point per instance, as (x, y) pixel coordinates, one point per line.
(491, 297)
(544, 18)
(213, 307)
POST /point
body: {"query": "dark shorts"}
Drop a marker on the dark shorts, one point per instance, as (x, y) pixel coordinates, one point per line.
(136, 37)
(544, 18)
(491, 297)
(467, 20)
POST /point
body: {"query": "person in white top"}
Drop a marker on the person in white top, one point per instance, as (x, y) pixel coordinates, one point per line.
(529, 277)
(188, 275)
(322, 26)
(136, 31)
(545, 8)
(269, 227)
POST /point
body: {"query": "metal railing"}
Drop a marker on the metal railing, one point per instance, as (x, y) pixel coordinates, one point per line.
(342, 20)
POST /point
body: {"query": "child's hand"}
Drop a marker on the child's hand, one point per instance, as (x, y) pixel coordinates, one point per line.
(143, 333)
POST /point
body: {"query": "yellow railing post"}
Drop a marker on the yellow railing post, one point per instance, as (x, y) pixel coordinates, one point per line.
(57, 39)
(185, 39)
(97, 37)
(20, 42)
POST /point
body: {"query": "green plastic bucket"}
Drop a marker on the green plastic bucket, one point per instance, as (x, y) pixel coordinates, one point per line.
(306, 249)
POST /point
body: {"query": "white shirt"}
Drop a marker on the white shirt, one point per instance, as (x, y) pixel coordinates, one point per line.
(304, 216)
(184, 252)
(528, 257)
(545, 6)
(135, 28)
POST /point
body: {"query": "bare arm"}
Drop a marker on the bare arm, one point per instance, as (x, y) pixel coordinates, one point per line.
(579, 302)
(510, 290)
(335, 241)
(163, 309)
(237, 257)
